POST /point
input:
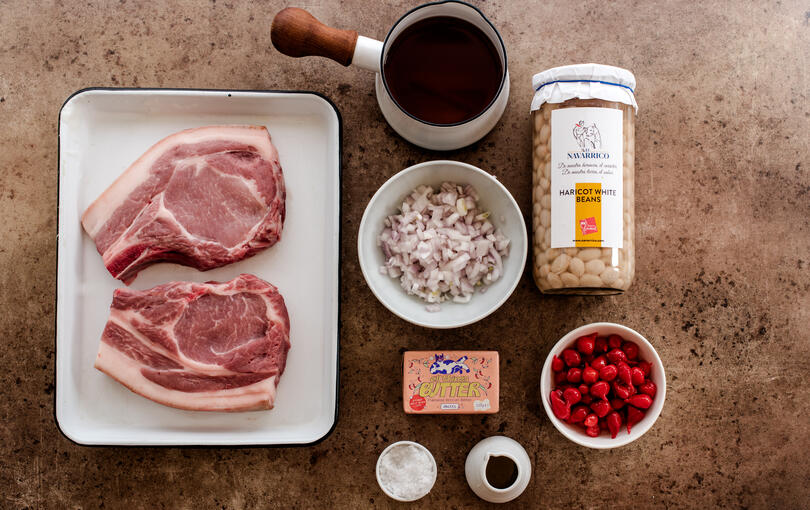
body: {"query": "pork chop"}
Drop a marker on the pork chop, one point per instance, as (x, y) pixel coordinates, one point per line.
(203, 197)
(199, 346)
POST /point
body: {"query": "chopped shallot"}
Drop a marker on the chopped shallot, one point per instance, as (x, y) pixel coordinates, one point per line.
(441, 246)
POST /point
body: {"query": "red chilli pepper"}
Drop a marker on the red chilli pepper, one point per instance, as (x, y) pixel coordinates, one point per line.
(600, 345)
(579, 414)
(599, 363)
(624, 372)
(574, 375)
(585, 344)
(616, 356)
(614, 422)
(631, 350)
(633, 416)
(601, 408)
(600, 389)
(623, 391)
(645, 367)
(557, 364)
(648, 388)
(572, 396)
(590, 375)
(608, 372)
(560, 409)
(571, 358)
(593, 431)
(636, 376)
(591, 420)
(641, 400)
(615, 341)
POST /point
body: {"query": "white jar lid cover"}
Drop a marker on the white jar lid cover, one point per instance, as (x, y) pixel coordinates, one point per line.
(584, 81)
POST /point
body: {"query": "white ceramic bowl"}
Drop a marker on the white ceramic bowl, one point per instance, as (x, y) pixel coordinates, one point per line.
(395, 445)
(646, 352)
(494, 197)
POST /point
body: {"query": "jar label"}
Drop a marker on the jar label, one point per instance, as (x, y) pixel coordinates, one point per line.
(586, 178)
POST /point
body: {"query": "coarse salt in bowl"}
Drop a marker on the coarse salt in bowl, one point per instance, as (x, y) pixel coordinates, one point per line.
(493, 197)
(406, 471)
(645, 352)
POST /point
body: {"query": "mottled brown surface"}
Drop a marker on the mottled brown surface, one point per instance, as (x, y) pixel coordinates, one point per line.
(723, 258)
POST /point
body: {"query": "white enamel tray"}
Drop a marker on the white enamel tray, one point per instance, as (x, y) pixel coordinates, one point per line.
(101, 132)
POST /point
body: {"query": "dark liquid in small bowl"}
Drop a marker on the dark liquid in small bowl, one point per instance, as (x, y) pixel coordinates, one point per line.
(501, 472)
(443, 70)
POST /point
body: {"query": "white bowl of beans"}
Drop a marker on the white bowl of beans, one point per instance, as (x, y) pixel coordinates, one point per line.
(599, 378)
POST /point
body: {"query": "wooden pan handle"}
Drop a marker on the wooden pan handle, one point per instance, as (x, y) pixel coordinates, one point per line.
(297, 33)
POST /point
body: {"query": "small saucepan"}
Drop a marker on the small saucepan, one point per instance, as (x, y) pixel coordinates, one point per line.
(431, 96)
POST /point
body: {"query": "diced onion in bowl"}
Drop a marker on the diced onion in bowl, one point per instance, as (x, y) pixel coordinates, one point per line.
(441, 246)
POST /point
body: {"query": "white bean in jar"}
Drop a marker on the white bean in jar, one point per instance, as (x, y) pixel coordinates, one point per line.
(583, 266)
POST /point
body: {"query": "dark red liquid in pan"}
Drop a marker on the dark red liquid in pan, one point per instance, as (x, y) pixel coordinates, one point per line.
(443, 70)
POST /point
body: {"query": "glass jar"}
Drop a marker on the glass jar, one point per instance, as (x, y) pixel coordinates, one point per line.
(583, 178)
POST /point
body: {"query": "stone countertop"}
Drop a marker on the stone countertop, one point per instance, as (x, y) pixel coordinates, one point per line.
(723, 257)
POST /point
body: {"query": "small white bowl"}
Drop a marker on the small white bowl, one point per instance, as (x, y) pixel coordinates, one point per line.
(398, 444)
(646, 352)
(494, 197)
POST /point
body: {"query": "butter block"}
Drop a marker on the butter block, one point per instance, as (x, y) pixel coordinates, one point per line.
(450, 382)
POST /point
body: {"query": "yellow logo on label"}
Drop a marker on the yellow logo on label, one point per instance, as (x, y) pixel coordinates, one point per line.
(588, 214)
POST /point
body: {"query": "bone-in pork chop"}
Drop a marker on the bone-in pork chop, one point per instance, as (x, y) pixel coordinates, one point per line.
(199, 346)
(203, 197)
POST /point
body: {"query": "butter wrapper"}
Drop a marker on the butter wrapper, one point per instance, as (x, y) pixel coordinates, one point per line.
(450, 382)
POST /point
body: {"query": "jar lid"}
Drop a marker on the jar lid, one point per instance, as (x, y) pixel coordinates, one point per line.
(584, 81)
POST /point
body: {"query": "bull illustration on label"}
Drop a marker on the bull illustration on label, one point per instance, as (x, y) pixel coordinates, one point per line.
(587, 136)
(449, 366)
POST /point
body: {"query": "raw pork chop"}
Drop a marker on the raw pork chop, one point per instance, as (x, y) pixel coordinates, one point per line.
(203, 197)
(199, 346)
